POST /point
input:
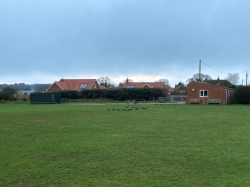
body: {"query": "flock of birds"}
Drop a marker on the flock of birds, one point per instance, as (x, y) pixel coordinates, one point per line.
(127, 108)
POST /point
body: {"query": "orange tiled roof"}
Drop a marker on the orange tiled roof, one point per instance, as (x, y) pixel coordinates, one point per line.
(169, 88)
(102, 87)
(74, 84)
(180, 88)
(144, 84)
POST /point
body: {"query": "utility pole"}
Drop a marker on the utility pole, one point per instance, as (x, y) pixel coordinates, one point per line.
(200, 70)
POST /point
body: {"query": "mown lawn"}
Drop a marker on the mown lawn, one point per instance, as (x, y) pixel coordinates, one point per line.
(109, 145)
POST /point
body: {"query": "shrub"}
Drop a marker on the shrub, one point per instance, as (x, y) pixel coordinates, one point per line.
(92, 94)
(6, 95)
(70, 94)
(116, 94)
(9, 89)
(242, 95)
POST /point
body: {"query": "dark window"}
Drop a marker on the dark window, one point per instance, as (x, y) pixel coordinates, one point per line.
(203, 93)
(131, 86)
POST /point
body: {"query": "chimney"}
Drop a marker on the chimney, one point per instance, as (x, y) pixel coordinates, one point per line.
(218, 80)
(127, 80)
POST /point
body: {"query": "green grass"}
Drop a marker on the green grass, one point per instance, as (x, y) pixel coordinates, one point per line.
(106, 145)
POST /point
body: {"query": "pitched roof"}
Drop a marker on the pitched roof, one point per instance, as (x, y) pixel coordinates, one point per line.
(197, 82)
(169, 88)
(180, 87)
(102, 87)
(218, 82)
(76, 84)
(144, 85)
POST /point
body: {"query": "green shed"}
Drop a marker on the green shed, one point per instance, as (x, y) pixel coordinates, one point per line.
(45, 98)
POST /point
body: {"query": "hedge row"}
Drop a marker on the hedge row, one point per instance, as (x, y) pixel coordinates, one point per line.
(242, 95)
(6, 96)
(116, 94)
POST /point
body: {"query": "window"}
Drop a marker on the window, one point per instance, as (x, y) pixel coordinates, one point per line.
(83, 85)
(203, 93)
(131, 86)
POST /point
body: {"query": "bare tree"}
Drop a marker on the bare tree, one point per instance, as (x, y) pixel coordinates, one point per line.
(105, 81)
(196, 78)
(166, 82)
(233, 78)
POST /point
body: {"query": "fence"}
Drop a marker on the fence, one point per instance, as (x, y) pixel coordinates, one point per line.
(178, 98)
(21, 97)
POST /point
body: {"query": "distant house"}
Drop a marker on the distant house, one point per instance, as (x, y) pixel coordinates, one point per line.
(180, 90)
(204, 93)
(218, 82)
(144, 85)
(74, 84)
(161, 85)
(170, 89)
(102, 87)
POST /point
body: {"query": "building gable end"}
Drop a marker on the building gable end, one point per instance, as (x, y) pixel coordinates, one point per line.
(54, 84)
(146, 86)
(94, 83)
(58, 85)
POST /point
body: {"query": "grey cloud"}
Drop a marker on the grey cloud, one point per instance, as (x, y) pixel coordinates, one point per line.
(113, 36)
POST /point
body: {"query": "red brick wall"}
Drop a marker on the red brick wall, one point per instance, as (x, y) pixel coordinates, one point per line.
(97, 86)
(214, 92)
(54, 87)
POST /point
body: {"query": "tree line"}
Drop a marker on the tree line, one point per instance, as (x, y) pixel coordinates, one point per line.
(25, 87)
(233, 78)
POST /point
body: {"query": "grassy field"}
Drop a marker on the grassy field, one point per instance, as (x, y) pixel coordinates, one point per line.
(111, 145)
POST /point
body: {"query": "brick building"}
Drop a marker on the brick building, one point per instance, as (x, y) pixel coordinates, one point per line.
(204, 93)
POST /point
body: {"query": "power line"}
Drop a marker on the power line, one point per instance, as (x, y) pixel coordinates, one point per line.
(243, 71)
(213, 68)
(218, 70)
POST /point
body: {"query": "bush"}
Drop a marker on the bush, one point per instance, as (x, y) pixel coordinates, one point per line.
(116, 94)
(70, 94)
(242, 95)
(92, 94)
(9, 89)
(7, 96)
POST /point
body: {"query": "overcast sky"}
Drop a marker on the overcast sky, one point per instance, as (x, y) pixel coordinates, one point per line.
(144, 40)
